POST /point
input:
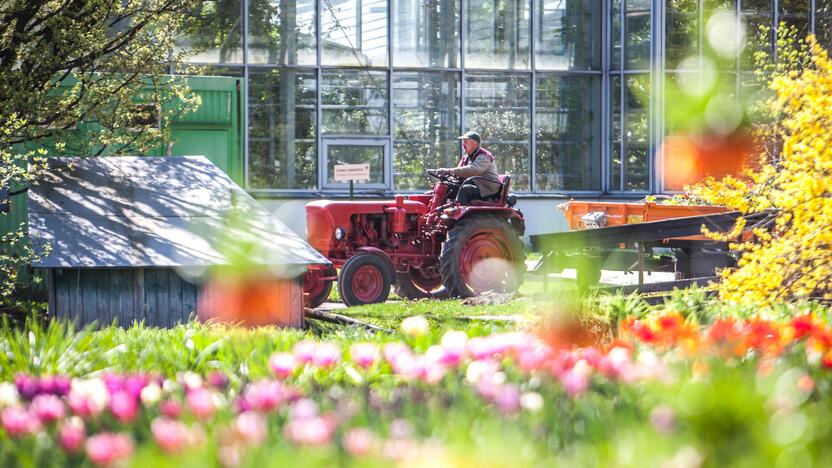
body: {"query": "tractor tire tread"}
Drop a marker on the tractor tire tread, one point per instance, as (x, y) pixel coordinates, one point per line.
(450, 254)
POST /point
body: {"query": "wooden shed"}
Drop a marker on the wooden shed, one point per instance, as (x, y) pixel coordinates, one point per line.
(137, 238)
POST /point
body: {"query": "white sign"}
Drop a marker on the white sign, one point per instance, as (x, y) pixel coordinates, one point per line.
(348, 172)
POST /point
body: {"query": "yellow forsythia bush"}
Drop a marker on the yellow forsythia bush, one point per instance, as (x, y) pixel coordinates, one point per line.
(794, 259)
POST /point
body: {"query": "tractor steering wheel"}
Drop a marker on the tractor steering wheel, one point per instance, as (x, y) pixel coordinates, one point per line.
(444, 178)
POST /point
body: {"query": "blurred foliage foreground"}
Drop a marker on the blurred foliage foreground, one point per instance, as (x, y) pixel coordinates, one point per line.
(693, 383)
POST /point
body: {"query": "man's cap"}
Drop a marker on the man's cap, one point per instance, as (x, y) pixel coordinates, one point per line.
(471, 136)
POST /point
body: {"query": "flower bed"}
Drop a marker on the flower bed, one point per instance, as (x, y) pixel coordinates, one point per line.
(661, 391)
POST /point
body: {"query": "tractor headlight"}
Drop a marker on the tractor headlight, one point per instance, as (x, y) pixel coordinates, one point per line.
(340, 233)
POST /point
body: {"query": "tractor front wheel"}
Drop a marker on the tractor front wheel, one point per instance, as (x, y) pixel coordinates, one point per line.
(316, 290)
(416, 284)
(482, 254)
(364, 279)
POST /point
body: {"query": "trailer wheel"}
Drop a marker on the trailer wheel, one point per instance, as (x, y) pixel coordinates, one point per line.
(364, 279)
(316, 290)
(415, 284)
(482, 254)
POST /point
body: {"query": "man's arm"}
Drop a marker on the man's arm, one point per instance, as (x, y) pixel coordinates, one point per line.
(477, 167)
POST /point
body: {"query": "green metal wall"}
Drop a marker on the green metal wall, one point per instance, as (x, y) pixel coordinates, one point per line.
(214, 131)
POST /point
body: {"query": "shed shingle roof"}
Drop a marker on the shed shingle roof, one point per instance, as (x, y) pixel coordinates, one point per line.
(154, 212)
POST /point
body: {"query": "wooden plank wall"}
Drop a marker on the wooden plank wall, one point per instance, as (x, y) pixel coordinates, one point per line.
(158, 296)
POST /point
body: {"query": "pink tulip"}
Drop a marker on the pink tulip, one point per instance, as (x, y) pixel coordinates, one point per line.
(358, 441)
(88, 398)
(265, 395)
(303, 409)
(326, 355)
(170, 409)
(71, 435)
(577, 379)
(134, 384)
(170, 435)
(282, 364)
(480, 348)
(48, 408)
(364, 354)
(304, 351)
(663, 419)
(200, 403)
(532, 359)
(393, 351)
(314, 432)
(453, 347)
(251, 427)
(107, 449)
(123, 406)
(507, 398)
(17, 422)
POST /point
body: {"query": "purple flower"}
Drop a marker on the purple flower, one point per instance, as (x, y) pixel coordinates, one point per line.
(55, 385)
(218, 380)
(27, 386)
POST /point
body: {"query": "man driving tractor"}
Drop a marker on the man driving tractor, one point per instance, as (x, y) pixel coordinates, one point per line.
(478, 164)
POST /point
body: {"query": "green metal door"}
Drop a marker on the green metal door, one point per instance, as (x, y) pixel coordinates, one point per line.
(212, 143)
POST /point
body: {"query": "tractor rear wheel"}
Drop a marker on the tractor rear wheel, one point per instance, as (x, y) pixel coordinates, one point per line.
(415, 284)
(364, 279)
(482, 254)
(316, 290)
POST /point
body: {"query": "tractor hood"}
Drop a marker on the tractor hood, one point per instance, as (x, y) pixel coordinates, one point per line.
(324, 216)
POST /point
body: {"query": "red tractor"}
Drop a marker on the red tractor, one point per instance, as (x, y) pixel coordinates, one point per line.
(424, 245)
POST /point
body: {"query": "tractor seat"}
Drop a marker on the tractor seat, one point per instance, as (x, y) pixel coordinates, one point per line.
(498, 198)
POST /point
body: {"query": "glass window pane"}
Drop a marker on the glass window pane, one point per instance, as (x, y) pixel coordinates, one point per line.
(637, 34)
(568, 34)
(356, 154)
(426, 115)
(630, 133)
(354, 102)
(823, 22)
(568, 124)
(497, 105)
(282, 140)
(682, 26)
(630, 31)
(354, 32)
(281, 31)
(795, 13)
(427, 33)
(213, 32)
(498, 34)
(756, 14)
